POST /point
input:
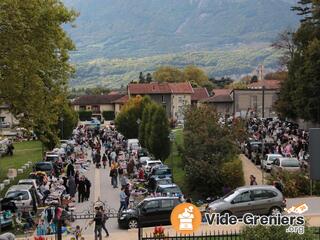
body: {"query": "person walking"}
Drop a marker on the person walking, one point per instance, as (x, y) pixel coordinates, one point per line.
(98, 219)
(72, 186)
(104, 160)
(88, 186)
(104, 220)
(253, 180)
(123, 203)
(81, 190)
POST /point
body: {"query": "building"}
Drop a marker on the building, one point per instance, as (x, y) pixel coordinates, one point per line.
(258, 98)
(174, 97)
(6, 116)
(221, 100)
(198, 95)
(98, 104)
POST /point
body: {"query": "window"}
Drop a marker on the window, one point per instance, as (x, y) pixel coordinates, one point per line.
(152, 205)
(243, 197)
(162, 99)
(168, 203)
(254, 102)
(82, 108)
(260, 194)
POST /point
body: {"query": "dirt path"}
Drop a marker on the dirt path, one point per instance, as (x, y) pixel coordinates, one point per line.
(250, 168)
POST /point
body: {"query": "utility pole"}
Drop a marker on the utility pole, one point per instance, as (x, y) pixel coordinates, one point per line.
(263, 93)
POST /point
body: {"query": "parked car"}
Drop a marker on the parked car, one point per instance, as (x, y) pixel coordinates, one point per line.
(142, 152)
(46, 167)
(285, 164)
(4, 125)
(131, 142)
(256, 199)
(268, 160)
(52, 157)
(252, 146)
(169, 190)
(24, 196)
(149, 212)
(32, 182)
(160, 170)
(158, 180)
(149, 164)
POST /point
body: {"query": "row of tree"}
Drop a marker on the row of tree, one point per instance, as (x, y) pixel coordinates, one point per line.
(34, 65)
(142, 118)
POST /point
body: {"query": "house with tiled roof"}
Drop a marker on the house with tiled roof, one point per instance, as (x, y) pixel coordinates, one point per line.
(258, 99)
(174, 97)
(98, 104)
(198, 95)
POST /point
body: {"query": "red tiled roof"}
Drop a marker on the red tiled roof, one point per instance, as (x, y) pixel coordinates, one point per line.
(159, 88)
(268, 84)
(96, 99)
(199, 94)
(123, 99)
(184, 87)
(217, 92)
(219, 99)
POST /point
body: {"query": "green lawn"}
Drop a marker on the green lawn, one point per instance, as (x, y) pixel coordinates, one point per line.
(175, 161)
(23, 152)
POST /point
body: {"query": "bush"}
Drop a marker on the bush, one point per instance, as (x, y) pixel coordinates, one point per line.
(85, 115)
(108, 115)
(232, 173)
(273, 233)
(294, 184)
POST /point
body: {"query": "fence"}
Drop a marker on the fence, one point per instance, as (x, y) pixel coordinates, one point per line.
(215, 235)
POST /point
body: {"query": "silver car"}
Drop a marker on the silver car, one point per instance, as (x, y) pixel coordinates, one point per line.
(257, 199)
(285, 164)
(268, 160)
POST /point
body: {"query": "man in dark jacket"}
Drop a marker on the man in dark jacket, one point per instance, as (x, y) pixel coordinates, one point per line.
(81, 190)
(88, 186)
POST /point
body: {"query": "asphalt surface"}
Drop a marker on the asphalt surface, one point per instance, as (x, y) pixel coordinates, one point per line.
(102, 190)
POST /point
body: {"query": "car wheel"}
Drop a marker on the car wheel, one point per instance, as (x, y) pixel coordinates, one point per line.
(225, 213)
(274, 211)
(133, 223)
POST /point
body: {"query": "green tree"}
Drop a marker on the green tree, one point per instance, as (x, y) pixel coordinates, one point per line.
(34, 62)
(300, 93)
(70, 120)
(207, 148)
(159, 136)
(169, 74)
(195, 75)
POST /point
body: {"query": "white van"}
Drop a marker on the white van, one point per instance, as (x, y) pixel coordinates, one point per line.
(132, 143)
(24, 196)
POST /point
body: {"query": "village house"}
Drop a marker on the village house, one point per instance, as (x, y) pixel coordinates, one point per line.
(174, 97)
(98, 104)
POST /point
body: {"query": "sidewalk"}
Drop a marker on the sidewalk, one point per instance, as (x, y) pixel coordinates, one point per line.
(249, 168)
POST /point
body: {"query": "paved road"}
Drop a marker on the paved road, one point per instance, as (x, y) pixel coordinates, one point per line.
(101, 189)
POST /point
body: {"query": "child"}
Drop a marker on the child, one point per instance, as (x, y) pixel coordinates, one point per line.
(78, 232)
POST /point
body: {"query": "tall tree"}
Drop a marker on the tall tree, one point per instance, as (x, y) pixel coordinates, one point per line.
(159, 136)
(300, 93)
(34, 62)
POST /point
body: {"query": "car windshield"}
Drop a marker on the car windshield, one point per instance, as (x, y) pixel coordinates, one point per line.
(230, 196)
(162, 171)
(272, 158)
(52, 158)
(290, 163)
(164, 181)
(170, 190)
(15, 195)
(43, 167)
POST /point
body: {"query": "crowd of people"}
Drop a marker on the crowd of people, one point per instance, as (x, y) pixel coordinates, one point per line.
(280, 137)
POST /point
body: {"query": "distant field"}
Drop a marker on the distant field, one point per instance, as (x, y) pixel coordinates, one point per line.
(23, 153)
(113, 73)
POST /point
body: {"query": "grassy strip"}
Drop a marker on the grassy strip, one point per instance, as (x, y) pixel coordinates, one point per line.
(175, 161)
(23, 153)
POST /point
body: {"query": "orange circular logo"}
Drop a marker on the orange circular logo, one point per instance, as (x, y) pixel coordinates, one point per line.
(186, 218)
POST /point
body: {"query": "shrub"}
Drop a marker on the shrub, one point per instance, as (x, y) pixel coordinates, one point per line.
(273, 233)
(108, 115)
(232, 173)
(85, 115)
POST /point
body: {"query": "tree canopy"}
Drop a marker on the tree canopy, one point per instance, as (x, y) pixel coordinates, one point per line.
(300, 93)
(191, 73)
(34, 62)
